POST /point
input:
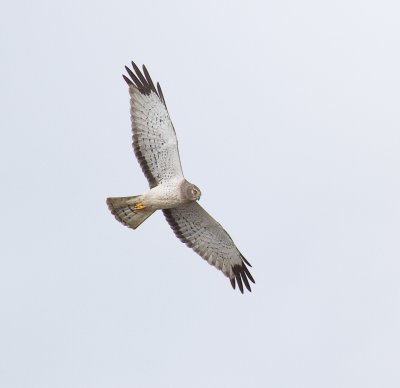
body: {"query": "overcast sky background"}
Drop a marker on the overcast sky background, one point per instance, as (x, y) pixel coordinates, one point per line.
(287, 115)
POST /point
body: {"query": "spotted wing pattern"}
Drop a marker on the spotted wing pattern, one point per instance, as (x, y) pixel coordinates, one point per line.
(154, 139)
(198, 230)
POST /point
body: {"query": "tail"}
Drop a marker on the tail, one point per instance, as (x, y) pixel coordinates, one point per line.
(124, 211)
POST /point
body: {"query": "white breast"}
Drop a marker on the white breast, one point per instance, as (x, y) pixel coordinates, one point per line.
(164, 196)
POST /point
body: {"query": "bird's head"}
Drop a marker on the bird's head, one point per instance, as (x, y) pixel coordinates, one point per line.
(190, 192)
(196, 193)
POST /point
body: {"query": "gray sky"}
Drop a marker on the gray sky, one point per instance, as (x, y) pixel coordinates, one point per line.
(287, 114)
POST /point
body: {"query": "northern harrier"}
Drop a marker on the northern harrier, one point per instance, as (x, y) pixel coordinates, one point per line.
(156, 148)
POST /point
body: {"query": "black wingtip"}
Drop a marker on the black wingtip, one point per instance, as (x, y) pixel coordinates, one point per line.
(149, 80)
(244, 259)
(246, 283)
(127, 80)
(248, 274)
(242, 276)
(143, 83)
(139, 73)
(138, 84)
(236, 271)
(160, 93)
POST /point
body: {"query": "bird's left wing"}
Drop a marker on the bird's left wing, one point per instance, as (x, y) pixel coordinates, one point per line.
(198, 230)
(154, 139)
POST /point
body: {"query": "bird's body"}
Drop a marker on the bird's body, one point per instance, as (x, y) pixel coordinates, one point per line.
(164, 196)
(156, 148)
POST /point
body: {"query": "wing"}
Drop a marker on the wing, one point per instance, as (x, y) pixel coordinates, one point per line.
(154, 139)
(198, 230)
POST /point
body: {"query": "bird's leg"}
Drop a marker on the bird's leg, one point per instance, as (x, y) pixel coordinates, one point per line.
(138, 206)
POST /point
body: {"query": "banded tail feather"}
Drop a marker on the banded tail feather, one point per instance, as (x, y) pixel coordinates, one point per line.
(123, 209)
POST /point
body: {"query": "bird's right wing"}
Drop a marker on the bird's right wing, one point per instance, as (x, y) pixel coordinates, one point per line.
(154, 139)
(198, 230)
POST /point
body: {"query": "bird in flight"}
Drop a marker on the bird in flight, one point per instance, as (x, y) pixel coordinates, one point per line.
(156, 149)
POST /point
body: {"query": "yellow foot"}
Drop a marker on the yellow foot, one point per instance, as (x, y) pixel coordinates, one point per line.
(138, 206)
